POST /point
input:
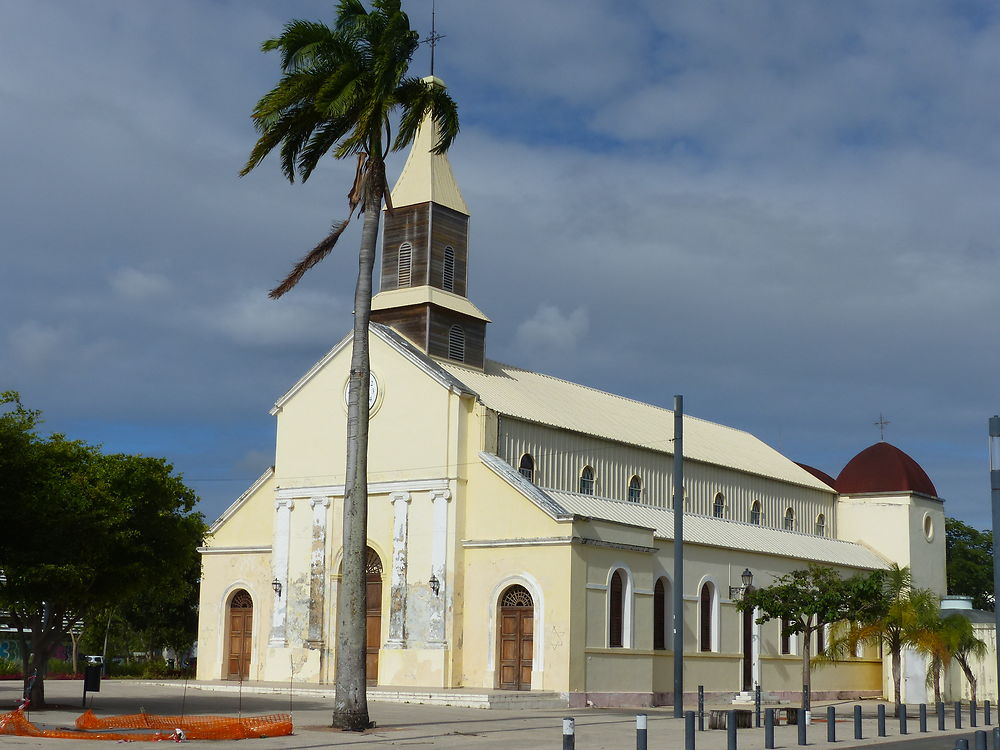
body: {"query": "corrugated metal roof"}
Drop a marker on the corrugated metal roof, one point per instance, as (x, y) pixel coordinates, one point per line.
(721, 532)
(542, 398)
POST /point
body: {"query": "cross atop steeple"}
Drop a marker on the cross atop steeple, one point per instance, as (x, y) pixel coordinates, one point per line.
(881, 423)
(433, 38)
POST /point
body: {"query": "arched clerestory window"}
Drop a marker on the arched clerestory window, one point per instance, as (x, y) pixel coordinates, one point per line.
(587, 481)
(635, 490)
(755, 514)
(719, 506)
(527, 467)
(820, 525)
(789, 519)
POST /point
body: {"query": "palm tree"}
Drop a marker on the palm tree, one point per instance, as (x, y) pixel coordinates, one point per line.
(937, 639)
(339, 90)
(966, 647)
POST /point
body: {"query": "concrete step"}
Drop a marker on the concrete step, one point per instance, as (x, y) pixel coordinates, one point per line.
(488, 699)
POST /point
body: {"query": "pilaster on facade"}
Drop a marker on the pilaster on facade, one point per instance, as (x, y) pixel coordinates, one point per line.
(397, 593)
(439, 567)
(317, 571)
(279, 564)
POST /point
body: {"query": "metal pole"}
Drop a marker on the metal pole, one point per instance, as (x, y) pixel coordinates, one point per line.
(769, 729)
(802, 727)
(701, 708)
(973, 717)
(986, 713)
(958, 714)
(901, 710)
(996, 738)
(731, 730)
(679, 556)
(640, 732)
(994, 430)
(962, 743)
(689, 730)
(923, 717)
(881, 720)
(756, 704)
(569, 733)
(831, 724)
(857, 723)
(980, 740)
(940, 715)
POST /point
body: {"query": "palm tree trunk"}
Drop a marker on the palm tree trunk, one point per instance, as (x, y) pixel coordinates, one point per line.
(350, 709)
(969, 675)
(936, 676)
(897, 692)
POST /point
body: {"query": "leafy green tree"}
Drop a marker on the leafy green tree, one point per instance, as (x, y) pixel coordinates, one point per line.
(970, 562)
(82, 530)
(806, 600)
(338, 91)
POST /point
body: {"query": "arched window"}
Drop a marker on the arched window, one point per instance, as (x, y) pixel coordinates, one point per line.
(719, 506)
(755, 516)
(448, 271)
(527, 467)
(820, 639)
(456, 343)
(706, 616)
(587, 481)
(820, 525)
(635, 489)
(661, 613)
(404, 265)
(786, 637)
(616, 610)
(789, 519)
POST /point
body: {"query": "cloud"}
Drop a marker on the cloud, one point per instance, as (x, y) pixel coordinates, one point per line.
(35, 345)
(131, 283)
(550, 332)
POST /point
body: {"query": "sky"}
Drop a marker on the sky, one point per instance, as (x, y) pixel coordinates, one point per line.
(780, 210)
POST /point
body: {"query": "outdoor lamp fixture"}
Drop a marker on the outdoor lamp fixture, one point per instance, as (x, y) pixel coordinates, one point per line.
(435, 584)
(276, 585)
(747, 578)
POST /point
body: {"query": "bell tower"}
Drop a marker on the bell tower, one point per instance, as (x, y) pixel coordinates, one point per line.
(425, 258)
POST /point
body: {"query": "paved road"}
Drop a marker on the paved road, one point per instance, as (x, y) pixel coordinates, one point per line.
(427, 726)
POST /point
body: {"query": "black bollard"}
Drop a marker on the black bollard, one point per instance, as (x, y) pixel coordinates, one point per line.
(973, 717)
(962, 744)
(980, 740)
(756, 704)
(640, 732)
(881, 720)
(831, 724)
(569, 733)
(802, 727)
(923, 717)
(689, 730)
(731, 729)
(996, 738)
(901, 710)
(857, 723)
(986, 713)
(769, 729)
(940, 715)
(958, 714)
(701, 708)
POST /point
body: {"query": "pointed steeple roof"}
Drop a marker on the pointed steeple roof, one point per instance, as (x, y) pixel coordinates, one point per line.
(426, 176)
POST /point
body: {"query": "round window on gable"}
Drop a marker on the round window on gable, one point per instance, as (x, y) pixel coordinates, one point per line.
(928, 527)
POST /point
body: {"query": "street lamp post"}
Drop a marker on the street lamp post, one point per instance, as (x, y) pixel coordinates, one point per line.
(995, 501)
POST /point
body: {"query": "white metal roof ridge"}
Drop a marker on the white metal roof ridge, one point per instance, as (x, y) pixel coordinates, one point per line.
(722, 532)
(519, 482)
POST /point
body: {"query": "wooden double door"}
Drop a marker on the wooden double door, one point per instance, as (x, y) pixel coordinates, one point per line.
(515, 636)
(240, 624)
(373, 615)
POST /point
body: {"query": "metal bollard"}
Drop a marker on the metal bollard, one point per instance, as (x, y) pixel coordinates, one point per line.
(958, 714)
(962, 744)
(857, 723)
(923, 717)
(689, 730)
(569, 733)
(731, 730)
(940, 716)
(756, 704)
(980, 740)
(769, 729)
(986, 713)
(640, 731)
(973, 717)
(901, 710)
(802, 727)
(881, 720)
(831, 724)
(701, 708)
(996, 738)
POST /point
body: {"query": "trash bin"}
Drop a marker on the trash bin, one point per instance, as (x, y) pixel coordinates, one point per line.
(92, 678)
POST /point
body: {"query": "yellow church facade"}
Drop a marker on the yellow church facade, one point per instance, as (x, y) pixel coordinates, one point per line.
(520, 526)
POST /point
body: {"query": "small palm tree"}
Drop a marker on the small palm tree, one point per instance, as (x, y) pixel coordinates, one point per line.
(966, 648)
(937, 640)
(339, 90)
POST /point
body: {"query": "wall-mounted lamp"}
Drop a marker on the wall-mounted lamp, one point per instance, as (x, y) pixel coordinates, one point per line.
(276, 585)
(747, 578)
(435, 584)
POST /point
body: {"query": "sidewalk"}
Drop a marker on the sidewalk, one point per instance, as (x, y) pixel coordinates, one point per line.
(434, 725)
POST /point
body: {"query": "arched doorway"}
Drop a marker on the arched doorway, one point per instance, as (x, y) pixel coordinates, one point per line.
(373, 614)
(240, 634)
(515, 638)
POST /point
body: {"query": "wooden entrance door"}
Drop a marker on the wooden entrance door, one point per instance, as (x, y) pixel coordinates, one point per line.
(747, 649)
(515, 631)
(240, 636)
(373, 614)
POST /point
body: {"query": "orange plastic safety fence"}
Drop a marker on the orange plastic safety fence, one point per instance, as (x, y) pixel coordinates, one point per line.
(194, 727)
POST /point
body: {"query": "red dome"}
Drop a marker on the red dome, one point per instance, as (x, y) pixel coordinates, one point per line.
(883, 468)
(819, 474)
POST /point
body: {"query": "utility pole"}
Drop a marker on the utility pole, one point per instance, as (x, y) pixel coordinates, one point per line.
(995, 498)
(678, 604)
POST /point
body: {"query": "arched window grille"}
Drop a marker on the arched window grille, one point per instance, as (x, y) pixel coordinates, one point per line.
(820, 525)
(755, 515)
(635, 490)
(587, 481)
(719, 506)
(456, 343)
(448, 271)
(527, 467)
(616, 610)
(405, 264)
(789, 519)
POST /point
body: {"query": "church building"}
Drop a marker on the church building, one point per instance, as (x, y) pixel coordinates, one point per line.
(521, 526)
